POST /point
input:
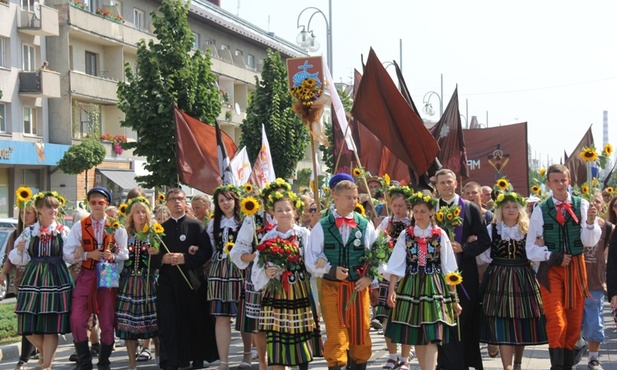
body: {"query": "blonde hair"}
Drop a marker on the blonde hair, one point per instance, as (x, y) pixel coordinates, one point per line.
(345, 185)
(523, 218)
(128, 223)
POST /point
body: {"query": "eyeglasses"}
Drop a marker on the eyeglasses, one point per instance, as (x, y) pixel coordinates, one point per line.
(176, 199)
(98, 203)
(312, 210)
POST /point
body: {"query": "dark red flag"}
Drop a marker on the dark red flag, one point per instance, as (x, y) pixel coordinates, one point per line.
(197, 152)
(449, 135)
(383, 110)
(576, 165)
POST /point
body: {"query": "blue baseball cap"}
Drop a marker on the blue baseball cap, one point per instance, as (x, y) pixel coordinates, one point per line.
(100, 190)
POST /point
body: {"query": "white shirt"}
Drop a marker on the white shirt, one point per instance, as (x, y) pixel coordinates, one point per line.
(73, 242)
(22, 259)
(506, 232)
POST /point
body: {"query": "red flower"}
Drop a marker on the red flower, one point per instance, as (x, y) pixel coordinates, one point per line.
(436, 232)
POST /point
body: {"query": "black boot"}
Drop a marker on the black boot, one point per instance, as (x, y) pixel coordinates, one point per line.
(334, 368)
(84, 358)
(557, 356)
(104, 354)
(568, 359)
(356, 366)
(303, 366)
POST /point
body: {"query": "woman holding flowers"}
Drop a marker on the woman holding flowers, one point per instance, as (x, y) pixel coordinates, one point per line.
(393, 225)
(225, 280)
(44, 295)
(286, 305)
(513, 314)
(136, 302)
(423, 305)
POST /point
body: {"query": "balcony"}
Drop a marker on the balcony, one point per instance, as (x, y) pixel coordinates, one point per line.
(42, 23)
(98, 89)
(98, 25)
(40, 84)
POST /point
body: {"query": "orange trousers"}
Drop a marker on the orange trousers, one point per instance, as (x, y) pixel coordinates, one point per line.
(338, 334)
(564, 304)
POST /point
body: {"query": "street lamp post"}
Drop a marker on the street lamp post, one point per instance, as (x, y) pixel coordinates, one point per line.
(307, 40)
(428, 107)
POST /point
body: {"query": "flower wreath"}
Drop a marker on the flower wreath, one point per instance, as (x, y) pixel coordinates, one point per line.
(419, 197)
(228, 187)
(278, 184)
(132, 201)
(401, 190)
(509, 196)
(296, 202)
(53, 193)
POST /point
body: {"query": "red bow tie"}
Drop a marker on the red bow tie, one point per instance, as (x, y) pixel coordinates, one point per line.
(560, 213)
(344, 220)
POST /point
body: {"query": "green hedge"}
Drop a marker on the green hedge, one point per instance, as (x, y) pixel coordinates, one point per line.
(8, 321)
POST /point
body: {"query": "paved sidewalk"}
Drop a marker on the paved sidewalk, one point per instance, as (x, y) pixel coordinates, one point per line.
(536, 357)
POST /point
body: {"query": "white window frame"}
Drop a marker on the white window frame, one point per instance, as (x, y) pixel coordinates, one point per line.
(96, 63)
(29, 115)
(250, 60)
(28, 58)
(3, 128)
(27, 5)
(139, 19)
(196, 41)
(3, 48)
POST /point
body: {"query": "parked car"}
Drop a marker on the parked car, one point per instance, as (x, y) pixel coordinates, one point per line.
(4, 239)
(8, 223)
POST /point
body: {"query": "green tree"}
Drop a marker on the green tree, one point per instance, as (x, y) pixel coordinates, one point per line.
(270, 105)
(329, 156)
(167, 72)
(83, 156)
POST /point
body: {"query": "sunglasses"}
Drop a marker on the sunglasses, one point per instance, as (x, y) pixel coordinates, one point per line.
(98, 203)
(312, 210)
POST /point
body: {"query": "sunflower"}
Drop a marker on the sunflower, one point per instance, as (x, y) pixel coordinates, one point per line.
(454, 278)
(439, 216)
(158, 228)
(360, 209)
(115, 225)
(608, 150)
(249, 206)
(609, 190)
(584, 189)
(122, 209)
(594, 182)
(449, 216)
(589, 154)
(161, 198)
(457, 211)
(145, 228)
(535, 189)
(62, 200)
(24, 194)
(248, 188)
(386, 179)
(228, 247)
(542, 171)
(357, 172)
(503, 184)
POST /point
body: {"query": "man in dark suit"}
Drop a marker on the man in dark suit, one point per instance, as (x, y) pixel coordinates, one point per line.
(470, 240)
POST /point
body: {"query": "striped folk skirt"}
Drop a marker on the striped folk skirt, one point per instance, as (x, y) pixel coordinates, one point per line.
(288, 320)
(225, 284)
(44, 297)
(382, 310)
(250, 306)
(423, 307)
(512, 305)
(136, 305)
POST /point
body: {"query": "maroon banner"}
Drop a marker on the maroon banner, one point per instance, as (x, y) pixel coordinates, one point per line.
(574, 163)
(496, 152)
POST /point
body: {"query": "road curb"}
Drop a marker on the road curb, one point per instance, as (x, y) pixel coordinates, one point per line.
(11, 352)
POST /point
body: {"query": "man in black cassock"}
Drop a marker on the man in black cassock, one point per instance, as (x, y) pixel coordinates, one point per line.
(186, 332)
(470, 241)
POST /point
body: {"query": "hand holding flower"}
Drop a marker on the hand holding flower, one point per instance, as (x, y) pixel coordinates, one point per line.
(153, 251)
(458, 309)
(362, 283)
(95, 254)
(21, 245)
(107, 255)
(271, 272)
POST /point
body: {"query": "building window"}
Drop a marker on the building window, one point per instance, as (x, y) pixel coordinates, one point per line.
(91, 5)
(3, 47)
(86, 119)
(28, 58)
(224, 47)
(250, 60)
(116, 7)
(91, 67)
(139, 19)
(29, 121)
(196, 41)
(27, 5)
(239, 52)
(2, 118)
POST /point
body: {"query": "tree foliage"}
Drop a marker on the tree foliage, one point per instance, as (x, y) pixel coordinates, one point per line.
(167, 72)
(329, 156)
(270, 105)
(82, 157)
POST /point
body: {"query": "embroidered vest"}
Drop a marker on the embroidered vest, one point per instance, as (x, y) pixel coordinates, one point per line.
(558, 237)
(88, 241)
(345, 255)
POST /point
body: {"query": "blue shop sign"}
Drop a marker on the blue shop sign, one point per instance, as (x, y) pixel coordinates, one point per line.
(29, 153)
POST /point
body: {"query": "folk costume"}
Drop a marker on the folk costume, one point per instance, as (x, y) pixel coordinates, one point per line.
(44, 294)
(87, 297)
(185, 331)
(564, 228)
(424, 309)
(342, 240)
(287, 314)
(512, 305)
(225, 280)
(136, 308)
(394, 227)
(465, 353)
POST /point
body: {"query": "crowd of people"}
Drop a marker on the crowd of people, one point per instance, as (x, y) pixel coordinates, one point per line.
(425, 266)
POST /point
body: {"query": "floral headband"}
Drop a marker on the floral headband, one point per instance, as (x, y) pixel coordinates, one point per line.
(143, 200)
(276, 185)
(509, 196)
(228, 187)
(44, 194)
(419, 197)
(400, 190)
(296, 202)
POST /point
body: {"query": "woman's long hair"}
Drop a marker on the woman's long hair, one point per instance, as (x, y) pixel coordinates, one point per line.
(218, 212)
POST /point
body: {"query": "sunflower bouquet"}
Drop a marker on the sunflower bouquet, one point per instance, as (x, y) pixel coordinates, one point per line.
(448, 218)
(282, 254)
(589, 154)
(309, 105)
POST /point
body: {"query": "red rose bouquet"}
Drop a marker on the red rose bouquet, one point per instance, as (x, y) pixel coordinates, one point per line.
(280, 253)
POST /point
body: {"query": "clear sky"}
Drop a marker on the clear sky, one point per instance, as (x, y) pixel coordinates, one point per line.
(550, 63)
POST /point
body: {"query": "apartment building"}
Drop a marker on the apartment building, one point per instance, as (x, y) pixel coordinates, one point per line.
(87, 43)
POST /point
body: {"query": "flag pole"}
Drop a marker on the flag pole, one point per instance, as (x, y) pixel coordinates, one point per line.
(340, 151)
(315, 177)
